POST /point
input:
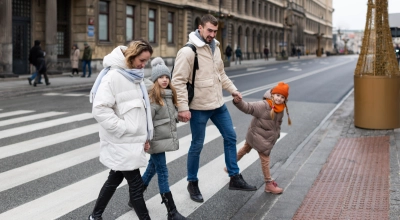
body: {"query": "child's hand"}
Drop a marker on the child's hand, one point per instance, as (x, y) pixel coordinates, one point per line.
(237, 99)
(146, 146)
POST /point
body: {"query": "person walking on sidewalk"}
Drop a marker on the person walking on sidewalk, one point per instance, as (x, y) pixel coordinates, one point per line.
(35, 53)
(119, 98)
(163, 101)
(266, 52)
(207, 103)
(75, 59)
(265, 128)
(86, 60)
(41, 70)
(228, 52)
(238, 53)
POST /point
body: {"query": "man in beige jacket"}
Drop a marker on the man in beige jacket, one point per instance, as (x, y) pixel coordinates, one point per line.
(207, 103)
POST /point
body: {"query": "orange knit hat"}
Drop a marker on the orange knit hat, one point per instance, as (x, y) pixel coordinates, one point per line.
(282, 88)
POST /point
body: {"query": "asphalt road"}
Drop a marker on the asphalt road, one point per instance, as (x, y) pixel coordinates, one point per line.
(48, 154)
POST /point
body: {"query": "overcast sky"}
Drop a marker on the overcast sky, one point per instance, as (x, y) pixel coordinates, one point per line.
(351, 14)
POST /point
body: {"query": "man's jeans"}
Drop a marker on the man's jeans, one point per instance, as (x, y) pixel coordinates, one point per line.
(84, 63)
(157, 164)
(34, 76)
(221, 118)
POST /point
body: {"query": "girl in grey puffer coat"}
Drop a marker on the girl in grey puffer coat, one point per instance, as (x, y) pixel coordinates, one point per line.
(163, 100)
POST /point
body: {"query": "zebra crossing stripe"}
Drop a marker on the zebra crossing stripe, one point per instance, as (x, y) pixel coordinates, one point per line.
(47, 124)
(13, 113)
(212, 178)
(30, 118)
(69, 198)
(27, 173)
(37, 143)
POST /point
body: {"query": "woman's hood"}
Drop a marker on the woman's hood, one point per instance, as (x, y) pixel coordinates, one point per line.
(116, 58)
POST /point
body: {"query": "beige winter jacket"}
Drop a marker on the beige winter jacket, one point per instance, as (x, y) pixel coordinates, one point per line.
(263, 132)
(75, 59)
(210, 77)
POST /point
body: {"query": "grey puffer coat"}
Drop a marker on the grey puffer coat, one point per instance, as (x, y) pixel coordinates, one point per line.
(164, 121)
(263, 132)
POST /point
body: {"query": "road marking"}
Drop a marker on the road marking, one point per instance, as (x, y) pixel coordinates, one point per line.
(247, 74)
(30, 118)
(27, 173)
(71, 197)
(214, 179)
(47, 124)
(253, 69)
(52, 94)
(64, 94)
(294, 69)
(263, 88)
(13, 113)
(37, 143)
(285, 67)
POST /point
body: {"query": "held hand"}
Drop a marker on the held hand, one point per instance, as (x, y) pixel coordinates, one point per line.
(236, 93)
(184, 116)
(146, 146)
(237, 99)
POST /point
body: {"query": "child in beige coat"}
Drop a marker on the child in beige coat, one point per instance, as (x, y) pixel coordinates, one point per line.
(265, 128)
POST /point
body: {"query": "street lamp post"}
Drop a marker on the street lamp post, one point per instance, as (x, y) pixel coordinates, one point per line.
(319, 36)
(345, 45)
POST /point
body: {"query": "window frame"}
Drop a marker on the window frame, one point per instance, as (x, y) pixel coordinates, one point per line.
(133, 22)
(172, 22)
(108, 21)
(154, 26)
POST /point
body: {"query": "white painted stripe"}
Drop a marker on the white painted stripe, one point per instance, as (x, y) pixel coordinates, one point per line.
(285, 67)
(215, 178)
(263, 88)
(52, 94)
(252, 73)
(253, 69)
(37, 143)
(69, 198)
(30, 118)
(13, 113)
(73, 94)
(47, 166)
(33, 127)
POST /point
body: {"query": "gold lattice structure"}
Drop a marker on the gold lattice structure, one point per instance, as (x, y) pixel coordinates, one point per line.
(377, 57)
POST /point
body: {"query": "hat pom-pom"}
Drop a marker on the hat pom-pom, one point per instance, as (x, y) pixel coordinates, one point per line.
(157, 61)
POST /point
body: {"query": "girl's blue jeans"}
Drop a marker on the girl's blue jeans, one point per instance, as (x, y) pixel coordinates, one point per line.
(157, 164)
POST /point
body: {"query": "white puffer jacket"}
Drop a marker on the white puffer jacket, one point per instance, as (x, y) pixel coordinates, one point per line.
(119, 108)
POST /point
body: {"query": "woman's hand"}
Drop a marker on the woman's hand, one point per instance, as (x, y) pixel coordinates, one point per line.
(146, 146)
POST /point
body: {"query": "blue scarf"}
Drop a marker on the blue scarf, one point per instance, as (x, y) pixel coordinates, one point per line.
(135, 76)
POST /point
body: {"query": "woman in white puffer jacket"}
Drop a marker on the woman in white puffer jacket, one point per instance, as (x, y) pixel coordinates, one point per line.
(121, 107)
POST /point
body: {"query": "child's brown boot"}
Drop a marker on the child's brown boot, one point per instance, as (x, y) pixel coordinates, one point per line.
(272, 187)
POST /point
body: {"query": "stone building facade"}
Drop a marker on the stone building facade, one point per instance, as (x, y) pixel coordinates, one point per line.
(105, 24)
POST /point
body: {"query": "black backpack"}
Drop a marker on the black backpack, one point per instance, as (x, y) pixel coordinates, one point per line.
(190, 87)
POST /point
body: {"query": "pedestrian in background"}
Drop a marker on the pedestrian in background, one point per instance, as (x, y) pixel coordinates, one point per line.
(208, 103)
(266, 52)
(163, 101)
(228, 52)
(74, 59)
(86, 60)
(41, 70)
(35, 53)
(119, 98)
(265, 128)
(238, 53)
(298, 53)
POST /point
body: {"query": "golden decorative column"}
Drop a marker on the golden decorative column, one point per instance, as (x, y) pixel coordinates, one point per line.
(377, 78)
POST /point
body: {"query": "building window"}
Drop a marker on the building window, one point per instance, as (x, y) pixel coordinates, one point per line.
(170, 27)
(103, 21)
(152, 26)
(238, 5)
(130, 23)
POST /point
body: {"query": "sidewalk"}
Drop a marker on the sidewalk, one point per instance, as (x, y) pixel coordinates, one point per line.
(338, 172)
(11, 87)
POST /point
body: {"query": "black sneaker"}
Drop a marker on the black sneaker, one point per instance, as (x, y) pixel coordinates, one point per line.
(91, 218)
(237, 183)
(30, 81)
(194, 191)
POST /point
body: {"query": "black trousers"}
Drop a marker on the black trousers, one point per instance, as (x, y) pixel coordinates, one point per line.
(135, 183)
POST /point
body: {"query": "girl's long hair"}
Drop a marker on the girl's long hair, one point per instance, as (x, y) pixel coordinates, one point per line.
(156, 93)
